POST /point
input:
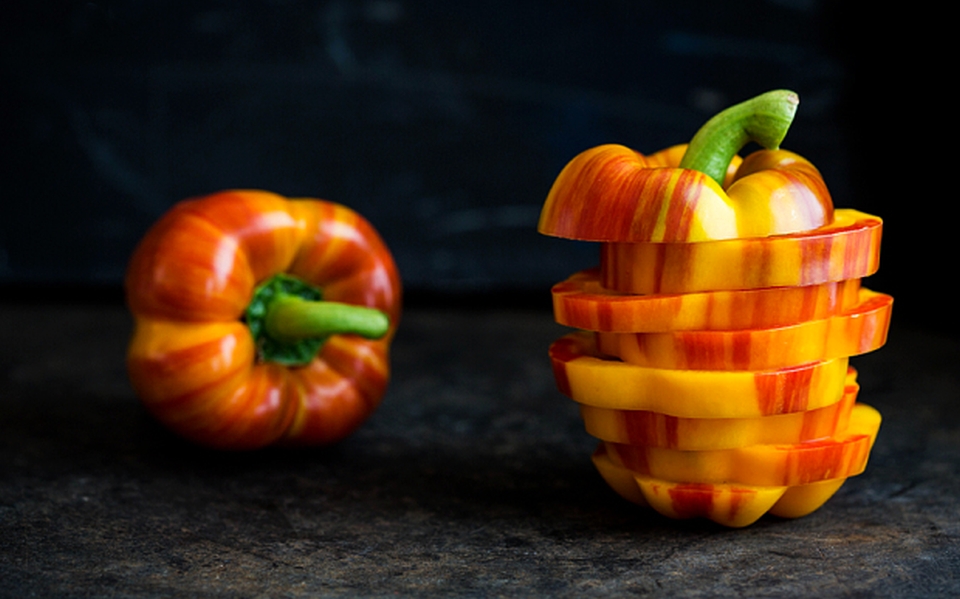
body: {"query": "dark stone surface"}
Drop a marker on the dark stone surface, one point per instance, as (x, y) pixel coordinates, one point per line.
(473, 479)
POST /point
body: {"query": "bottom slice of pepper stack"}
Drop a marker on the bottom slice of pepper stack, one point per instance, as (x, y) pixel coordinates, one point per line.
(733, 505)
(736, 487)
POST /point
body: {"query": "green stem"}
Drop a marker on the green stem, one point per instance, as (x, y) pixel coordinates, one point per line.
(764, 120)
(291, 318)
(289, 321)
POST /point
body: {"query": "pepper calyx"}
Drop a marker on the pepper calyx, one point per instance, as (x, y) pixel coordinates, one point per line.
(290, 321)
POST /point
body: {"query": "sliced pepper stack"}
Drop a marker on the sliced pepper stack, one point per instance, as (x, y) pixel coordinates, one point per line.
(712, 357)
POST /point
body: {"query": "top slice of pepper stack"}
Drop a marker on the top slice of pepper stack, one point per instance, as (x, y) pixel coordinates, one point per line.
(712, 356)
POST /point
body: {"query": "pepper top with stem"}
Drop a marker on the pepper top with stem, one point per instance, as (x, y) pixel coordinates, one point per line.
(699, 192)
(290, 321)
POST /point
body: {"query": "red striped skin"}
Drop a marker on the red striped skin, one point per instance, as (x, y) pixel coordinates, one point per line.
(611, 193)
(652, 429)
(757, 393)
(693, 500)
(682, 286)
(847, 249)
(841, 456)
(581, 302)
(192, 360)
(783, 392)
(859, 329)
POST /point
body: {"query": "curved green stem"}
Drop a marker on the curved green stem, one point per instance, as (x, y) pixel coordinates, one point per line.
(289, 320)
(764, 119)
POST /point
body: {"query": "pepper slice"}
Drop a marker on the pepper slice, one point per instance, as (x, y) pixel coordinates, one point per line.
(848, 248)
(613, 193)
(732, 505)
(653, 429)
(857, 331)
(587, 377)
(764, 465)
(581, 302)
(192, 286)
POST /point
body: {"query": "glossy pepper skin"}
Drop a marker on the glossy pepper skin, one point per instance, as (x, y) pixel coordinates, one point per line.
(848, 248)
(697, 192)
(194, 362)
(780, 464)
(731, 504)
(655, 429)
(735, 487)
(859, 330)
(589, 377)
(712, 357)
(581, 302)
(611, 193)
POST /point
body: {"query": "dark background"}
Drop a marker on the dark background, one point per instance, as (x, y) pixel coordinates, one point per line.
(444, 123)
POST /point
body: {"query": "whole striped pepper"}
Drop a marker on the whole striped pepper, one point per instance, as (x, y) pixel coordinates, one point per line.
(261, 320)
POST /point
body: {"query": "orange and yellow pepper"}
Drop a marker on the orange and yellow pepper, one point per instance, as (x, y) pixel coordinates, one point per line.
(582, 302)
(848, 248)
(731, 504)
(261, 320)
(712, 357)
(861, 329)
(839, 456)
(656, 429)
(611, 193)
(588, 377)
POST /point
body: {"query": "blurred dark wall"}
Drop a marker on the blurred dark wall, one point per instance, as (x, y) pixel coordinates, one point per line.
(442, 122)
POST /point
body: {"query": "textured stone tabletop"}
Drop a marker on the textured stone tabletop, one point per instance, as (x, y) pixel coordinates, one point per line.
(473, 479)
